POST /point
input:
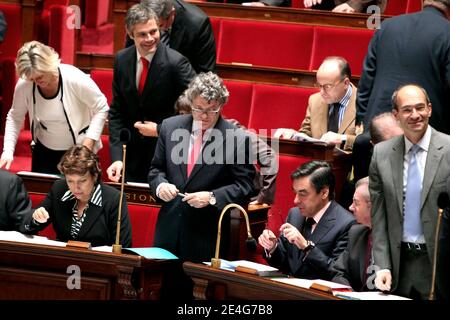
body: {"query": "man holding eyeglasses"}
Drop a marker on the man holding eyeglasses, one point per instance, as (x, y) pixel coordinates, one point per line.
(201, 164)
(330, 115)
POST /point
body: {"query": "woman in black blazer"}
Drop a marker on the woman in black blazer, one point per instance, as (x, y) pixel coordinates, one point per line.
(80, 206)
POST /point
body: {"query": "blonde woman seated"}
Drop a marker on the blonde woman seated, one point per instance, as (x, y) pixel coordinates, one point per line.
(64, 105)
(80, 207)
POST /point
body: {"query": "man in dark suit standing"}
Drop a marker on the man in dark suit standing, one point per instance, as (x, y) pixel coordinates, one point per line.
(411, 48)
(316, 230)
(185, 28)
(148, 79)
(351, 267)
(14, 201)
(407, 173)
(201, 164)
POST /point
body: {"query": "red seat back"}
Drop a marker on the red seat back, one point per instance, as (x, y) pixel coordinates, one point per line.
(278, 106)
(394, 8)
(103, 79)
(239, 103)
(96, 13)
(216, 24)
(104, 156)
(61, 37)
(13, 36)
(143, 221)
(345, 42)
(279, 45)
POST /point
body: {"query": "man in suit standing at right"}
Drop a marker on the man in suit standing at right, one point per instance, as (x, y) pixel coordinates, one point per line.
(148, 79)
(410, 48)
(407, 173)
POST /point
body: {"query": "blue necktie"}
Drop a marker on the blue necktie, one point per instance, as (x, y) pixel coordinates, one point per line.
(411, 223)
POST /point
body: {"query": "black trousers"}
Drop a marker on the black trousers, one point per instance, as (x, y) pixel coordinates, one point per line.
(45, 160)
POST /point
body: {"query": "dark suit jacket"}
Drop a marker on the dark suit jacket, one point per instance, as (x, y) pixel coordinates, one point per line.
(188, 232)
(192, 36)
(386, 193)
(330, 237)
(168, 76)
(411, 48)
(99, 227)
(443, 261)
(350, 267)
(14, 201)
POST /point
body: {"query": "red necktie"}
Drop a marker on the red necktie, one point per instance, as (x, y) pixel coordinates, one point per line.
(144, 73)
(195, 152)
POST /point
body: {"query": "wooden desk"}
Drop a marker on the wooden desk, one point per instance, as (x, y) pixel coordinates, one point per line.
(302, 78)
(217, 284)
(31, 271)
(284, 14)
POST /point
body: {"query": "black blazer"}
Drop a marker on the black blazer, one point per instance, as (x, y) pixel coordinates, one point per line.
(190, 233)
(99, 227)
(330, 237)
(168, 76)
(350, 267)
(192, 36)
(14, 201)
(411, 48)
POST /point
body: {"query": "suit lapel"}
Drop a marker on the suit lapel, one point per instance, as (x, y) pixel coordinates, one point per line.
(350, 113)
(154, 74)
(65, 216)
(325, 224)
(322, 119)
(435, 153)
(92, 214)
(131, 69)
(396, 160)
(185, 149)
(207, 157)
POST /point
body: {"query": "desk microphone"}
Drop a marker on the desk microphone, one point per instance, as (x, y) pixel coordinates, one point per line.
(124, 138)
(250, 242)
(442, 202)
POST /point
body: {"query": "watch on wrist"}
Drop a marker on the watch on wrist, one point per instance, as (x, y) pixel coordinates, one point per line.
(212, 199)
(309, 246)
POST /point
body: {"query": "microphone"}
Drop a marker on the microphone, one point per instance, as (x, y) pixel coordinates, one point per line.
(443, 202)
(125, 136)
(250, 242)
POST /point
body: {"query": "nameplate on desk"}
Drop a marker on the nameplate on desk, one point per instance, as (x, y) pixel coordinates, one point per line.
(78, 245)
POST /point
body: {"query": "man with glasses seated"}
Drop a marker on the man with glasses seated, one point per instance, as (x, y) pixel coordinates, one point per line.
(330, 115)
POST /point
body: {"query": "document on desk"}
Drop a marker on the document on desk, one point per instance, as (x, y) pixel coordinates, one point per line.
(151, 253)
(20, 237)
(39, 175)
(369, 295)
(304, 283)
(251, 267)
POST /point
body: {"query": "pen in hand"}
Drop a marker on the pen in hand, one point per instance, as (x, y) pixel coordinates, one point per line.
(181, 194)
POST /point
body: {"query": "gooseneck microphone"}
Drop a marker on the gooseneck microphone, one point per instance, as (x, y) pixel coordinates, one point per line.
(125, 136)
(442, 202)
(250, 242)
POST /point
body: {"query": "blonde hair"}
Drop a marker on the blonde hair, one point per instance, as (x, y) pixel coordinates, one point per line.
(35, 56)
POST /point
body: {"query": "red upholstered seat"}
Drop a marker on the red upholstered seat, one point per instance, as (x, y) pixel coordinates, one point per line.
(49, 232)
(397, 7)
(143, 222)
(414, 6)
(346, 42)
(43, 21)
(9, 78)
(103, 79)
(297, 4)
(61, 37)
(239, 103)
(278, 106)
(280, 45)
(216, 24)
(105, 157)
(284, 197)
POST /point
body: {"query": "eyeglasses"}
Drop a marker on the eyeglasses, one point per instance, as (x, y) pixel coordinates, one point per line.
(328, 86)
(209, 112)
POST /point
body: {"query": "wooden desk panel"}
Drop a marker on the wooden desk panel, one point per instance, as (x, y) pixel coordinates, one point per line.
(217, 284)
(34, 271)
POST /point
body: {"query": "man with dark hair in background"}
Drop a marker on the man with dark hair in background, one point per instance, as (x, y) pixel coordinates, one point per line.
(187, 29)
(316, 230)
